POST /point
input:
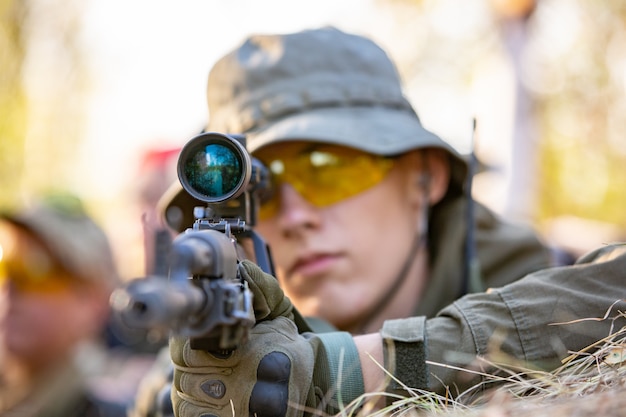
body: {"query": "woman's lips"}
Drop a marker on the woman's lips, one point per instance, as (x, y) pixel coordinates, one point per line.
(313, 265)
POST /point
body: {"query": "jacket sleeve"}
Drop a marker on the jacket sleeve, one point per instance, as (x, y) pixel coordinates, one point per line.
(536, 320)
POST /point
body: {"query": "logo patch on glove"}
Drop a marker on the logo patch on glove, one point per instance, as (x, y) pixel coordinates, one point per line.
(214, 388)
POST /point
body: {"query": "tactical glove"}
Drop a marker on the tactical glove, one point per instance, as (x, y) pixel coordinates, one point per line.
(279, 371)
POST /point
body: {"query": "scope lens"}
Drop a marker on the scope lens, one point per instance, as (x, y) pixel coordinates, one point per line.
(213, 170)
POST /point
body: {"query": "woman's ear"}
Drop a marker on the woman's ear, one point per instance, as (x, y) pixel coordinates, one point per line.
(438, 166)
(432, 174)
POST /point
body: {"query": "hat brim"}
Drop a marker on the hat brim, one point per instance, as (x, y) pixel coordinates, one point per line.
(377, 130)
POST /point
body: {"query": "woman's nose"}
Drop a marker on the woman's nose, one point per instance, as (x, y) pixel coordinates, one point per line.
(294, 211)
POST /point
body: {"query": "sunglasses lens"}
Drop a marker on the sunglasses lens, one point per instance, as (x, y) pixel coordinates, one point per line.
(324, 175)
(32, 278)
(28, 268)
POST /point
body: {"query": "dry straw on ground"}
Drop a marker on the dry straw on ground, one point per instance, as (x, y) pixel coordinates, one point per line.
(590, 383)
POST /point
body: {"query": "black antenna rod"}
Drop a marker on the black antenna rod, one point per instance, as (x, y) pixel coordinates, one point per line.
(473, 280)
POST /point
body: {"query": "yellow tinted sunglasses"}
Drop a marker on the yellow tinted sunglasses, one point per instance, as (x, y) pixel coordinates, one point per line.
(33, 278)
(27, 266)
(321, 174)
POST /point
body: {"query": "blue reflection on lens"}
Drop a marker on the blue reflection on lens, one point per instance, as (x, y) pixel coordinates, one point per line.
(213, 171)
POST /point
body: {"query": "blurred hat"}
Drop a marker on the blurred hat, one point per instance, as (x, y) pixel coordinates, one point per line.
(61, 223)
(322, 85)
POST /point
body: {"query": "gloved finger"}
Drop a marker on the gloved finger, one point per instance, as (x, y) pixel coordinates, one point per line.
(269, 300)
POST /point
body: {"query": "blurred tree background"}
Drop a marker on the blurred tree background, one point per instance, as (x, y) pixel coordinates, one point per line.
(12, 99)
(545, 81)
(43, 91)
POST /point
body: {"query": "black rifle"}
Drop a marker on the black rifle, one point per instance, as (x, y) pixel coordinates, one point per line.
(203, 297)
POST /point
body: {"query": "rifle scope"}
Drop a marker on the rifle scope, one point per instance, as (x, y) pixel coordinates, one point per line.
(214, 167)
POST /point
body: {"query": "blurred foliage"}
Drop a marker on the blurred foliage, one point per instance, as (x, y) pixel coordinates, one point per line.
(569, 58)
(43, 88)
(580, 104)
(12, 97)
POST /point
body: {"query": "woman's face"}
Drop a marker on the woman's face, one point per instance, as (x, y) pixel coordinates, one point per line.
(46, 311)
(336, 261)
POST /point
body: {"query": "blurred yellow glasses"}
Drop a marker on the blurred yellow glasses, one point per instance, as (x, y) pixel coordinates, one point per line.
(321, 174)
(28, 267)
(33, 277)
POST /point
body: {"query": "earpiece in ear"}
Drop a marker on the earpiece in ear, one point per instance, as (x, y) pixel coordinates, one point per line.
(423, 180)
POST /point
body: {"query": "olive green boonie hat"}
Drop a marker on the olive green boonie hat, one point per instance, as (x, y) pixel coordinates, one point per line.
(322, 85)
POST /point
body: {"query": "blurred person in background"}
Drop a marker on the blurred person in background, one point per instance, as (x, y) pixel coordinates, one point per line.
(57, 272)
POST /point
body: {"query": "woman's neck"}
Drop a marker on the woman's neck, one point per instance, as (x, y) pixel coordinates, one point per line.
(403, 300)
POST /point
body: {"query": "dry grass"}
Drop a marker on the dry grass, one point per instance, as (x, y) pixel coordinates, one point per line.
(590, 383)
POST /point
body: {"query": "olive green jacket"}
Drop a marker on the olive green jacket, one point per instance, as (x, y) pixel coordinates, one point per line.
(537, 320)
(504, 252)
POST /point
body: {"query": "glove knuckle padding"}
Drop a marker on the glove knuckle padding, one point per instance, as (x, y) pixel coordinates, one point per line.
(270, 394)
(266, 376)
